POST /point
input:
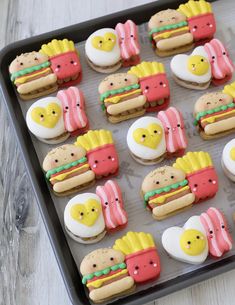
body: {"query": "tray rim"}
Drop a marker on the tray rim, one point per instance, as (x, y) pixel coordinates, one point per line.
(45, 204)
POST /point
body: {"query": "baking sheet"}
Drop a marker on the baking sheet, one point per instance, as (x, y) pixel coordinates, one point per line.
(131, 173)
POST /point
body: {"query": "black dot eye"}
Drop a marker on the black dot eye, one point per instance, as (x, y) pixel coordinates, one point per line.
(221, 100)
(157, 182)
(109, 157)
(189, 242)
(151, 262)
(42, 116)
(223, 226)
(147, 87)
(160, 21)
(210, 180)
(195, 185)
(168, 128)
(143, 136)
(110, 39)
(72, 62)
(100, 41)
(208, 24)
(81, 213)
(132, 35)
(56, 160)
(198, 237)
(94, 265)
(96, 161)
(136, 267)
(93, 210)
(72, 154)
(211, 232)
(195, 27)
(66, 107)
(202, 60)
(111, 258)
(35, 58)
(224, 53)
(116, 199)
(178, 125)
(213, 57)
(58, 66)
(106, 203)
(78, 105)
(21, 63)
(161, 83)
(173, 18)
(111, 84)
(208, 103)
(172, 177)
(53, 112)
(125, 79)
(155, 131)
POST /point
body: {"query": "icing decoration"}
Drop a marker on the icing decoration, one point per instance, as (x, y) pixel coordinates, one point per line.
(73, 105)
(221, 64)
(215, 225)
(64, 167)
(197, 65)
(98, 283)
(232, 153)
(161, 199)
(200, 173)
(128, 42)
(201, 114)
(167, 27)
(168, 34)
(153, 83)
(29, 70)
(64, 60)
(103, 272)
(104, 43)
(24, 79)
(86, 213)
(230, 89)
(188, 244)
(112, 204)
(47, 116)
(150, 136)
(117, 91)
(175, 134)
(192, 242)
(101, 152)
(63, 176)
(142, 259)
(228, 159)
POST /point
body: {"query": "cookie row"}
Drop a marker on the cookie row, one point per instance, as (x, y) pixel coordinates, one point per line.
(134, 259)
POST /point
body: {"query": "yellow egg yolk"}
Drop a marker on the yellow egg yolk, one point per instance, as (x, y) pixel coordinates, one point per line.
(197, 65)
(192, 242)
(232, 153)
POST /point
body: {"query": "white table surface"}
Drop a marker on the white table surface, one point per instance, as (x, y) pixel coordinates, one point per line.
(29, 274)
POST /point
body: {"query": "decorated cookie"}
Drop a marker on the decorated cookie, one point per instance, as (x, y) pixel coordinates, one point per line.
(169, 33)
(188, 244)
(146, 140)
(214, 114)
(67, 169)
(74, 115)
(216, 228)
(32, 75)
(103, 52)
(121, 97)
(166, 191)
(200, 173)
(115, 215)
(65, 62)
(105, 275)
(221, 65)
(83, 218)
(44, 119)
(128, 42)
(192, 71)
(200, 236)
(200, 20)
(228, 160)
(142, 259)
(175, 135)
(101, 152)
(154, 84)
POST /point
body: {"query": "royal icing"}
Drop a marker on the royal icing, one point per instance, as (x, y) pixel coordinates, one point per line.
(145, 138)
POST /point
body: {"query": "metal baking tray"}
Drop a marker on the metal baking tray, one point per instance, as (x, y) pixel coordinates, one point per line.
(175, 275)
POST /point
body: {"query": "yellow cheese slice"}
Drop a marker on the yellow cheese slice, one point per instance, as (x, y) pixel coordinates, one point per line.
(168, 34)
(212, 119)
(64, 175)
(116, 99)
(24, 79)
(162, 199)
(98, 283)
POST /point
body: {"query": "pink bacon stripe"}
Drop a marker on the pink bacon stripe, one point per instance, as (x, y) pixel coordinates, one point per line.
(173, 123)
(128, 39)
(74, 114)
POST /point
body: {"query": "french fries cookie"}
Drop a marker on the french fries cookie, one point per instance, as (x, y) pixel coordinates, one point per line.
(83, 218)
(166, 191)
(101, 152)
(128, 42)
(32, 75)
(228, 160)
(105, 275)
(200, 236)
(141, 256)
(200, 173)
(102, 51)
(121, 97)
(154, 85)
(214, 114)
(65, 62)
(200, 20)
(169, 33)
(192, 71)
(67, 169)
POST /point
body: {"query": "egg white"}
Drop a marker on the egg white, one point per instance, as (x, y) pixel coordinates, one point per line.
(228, 163)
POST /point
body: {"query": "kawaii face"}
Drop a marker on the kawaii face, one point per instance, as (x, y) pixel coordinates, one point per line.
(117, 81)
(211, 101)
(166, 17)
(202, 26)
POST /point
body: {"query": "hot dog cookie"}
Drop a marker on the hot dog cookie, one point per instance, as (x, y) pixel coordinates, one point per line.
(65, 62)
(105, 275)
(166, 192)
(101, 152)
(83, 219)
(112, 205)
(142, 259)
(67, 169)
(121, 97)
(228, 160)
(128, 42)
(215, 114)
(103, 52)
(200, 20)
(200, 173)
(32, 75)
(169, 33)
(154, 84)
